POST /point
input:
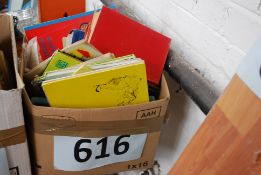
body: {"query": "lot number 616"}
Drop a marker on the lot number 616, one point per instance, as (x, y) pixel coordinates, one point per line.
(124, 145)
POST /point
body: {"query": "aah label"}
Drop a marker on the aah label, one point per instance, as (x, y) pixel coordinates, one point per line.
(250, 69)
(149, 113)
(79, 154)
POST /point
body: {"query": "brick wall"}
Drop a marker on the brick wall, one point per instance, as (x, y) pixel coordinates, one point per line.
(212, 35)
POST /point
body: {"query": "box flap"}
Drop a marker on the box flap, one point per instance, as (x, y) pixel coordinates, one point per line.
(8, 45)
(164, 92)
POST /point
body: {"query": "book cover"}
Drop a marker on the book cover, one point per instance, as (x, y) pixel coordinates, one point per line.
(104, 63)
(61, 61)
(83, 50)
(77, 35)
(121, 35)
(50, 10)
(109, 87)
(49, 34)
(73, 69)
(72, 49)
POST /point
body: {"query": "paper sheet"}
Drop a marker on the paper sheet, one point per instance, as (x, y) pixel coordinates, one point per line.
(79, 154)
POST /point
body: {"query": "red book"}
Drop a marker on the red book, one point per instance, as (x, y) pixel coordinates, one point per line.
(49, 34)
(121, 35)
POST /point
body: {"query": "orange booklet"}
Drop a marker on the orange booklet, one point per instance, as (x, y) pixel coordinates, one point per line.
(50, 10)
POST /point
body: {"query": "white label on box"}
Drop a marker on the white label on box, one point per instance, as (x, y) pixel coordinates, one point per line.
(79, 154)
(250, 69)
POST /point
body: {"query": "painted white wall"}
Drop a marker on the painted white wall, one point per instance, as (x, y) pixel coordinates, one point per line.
(212, 35)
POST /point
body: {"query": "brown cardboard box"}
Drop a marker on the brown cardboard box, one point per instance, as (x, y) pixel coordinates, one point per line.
(12, 130)
(48, 123)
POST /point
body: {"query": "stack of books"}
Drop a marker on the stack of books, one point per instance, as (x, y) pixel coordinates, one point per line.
(96, 59)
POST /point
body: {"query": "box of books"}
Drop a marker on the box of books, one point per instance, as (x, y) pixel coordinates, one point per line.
(13, 143)
(96, 140)
(91, 108)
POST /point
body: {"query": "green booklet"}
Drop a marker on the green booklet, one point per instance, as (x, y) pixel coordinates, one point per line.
(61, 60)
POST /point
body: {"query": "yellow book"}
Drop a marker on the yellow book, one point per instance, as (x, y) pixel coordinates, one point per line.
(115, 86)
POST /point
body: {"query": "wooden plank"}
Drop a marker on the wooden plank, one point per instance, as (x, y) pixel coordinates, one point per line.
(229, 140)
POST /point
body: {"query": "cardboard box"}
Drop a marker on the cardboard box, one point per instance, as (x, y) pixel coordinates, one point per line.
(96, 141)
(12, 131)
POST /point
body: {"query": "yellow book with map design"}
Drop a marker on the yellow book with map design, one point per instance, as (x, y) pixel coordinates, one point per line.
(118, 85)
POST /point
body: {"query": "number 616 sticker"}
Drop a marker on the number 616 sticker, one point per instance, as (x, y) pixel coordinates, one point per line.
(79, 154)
